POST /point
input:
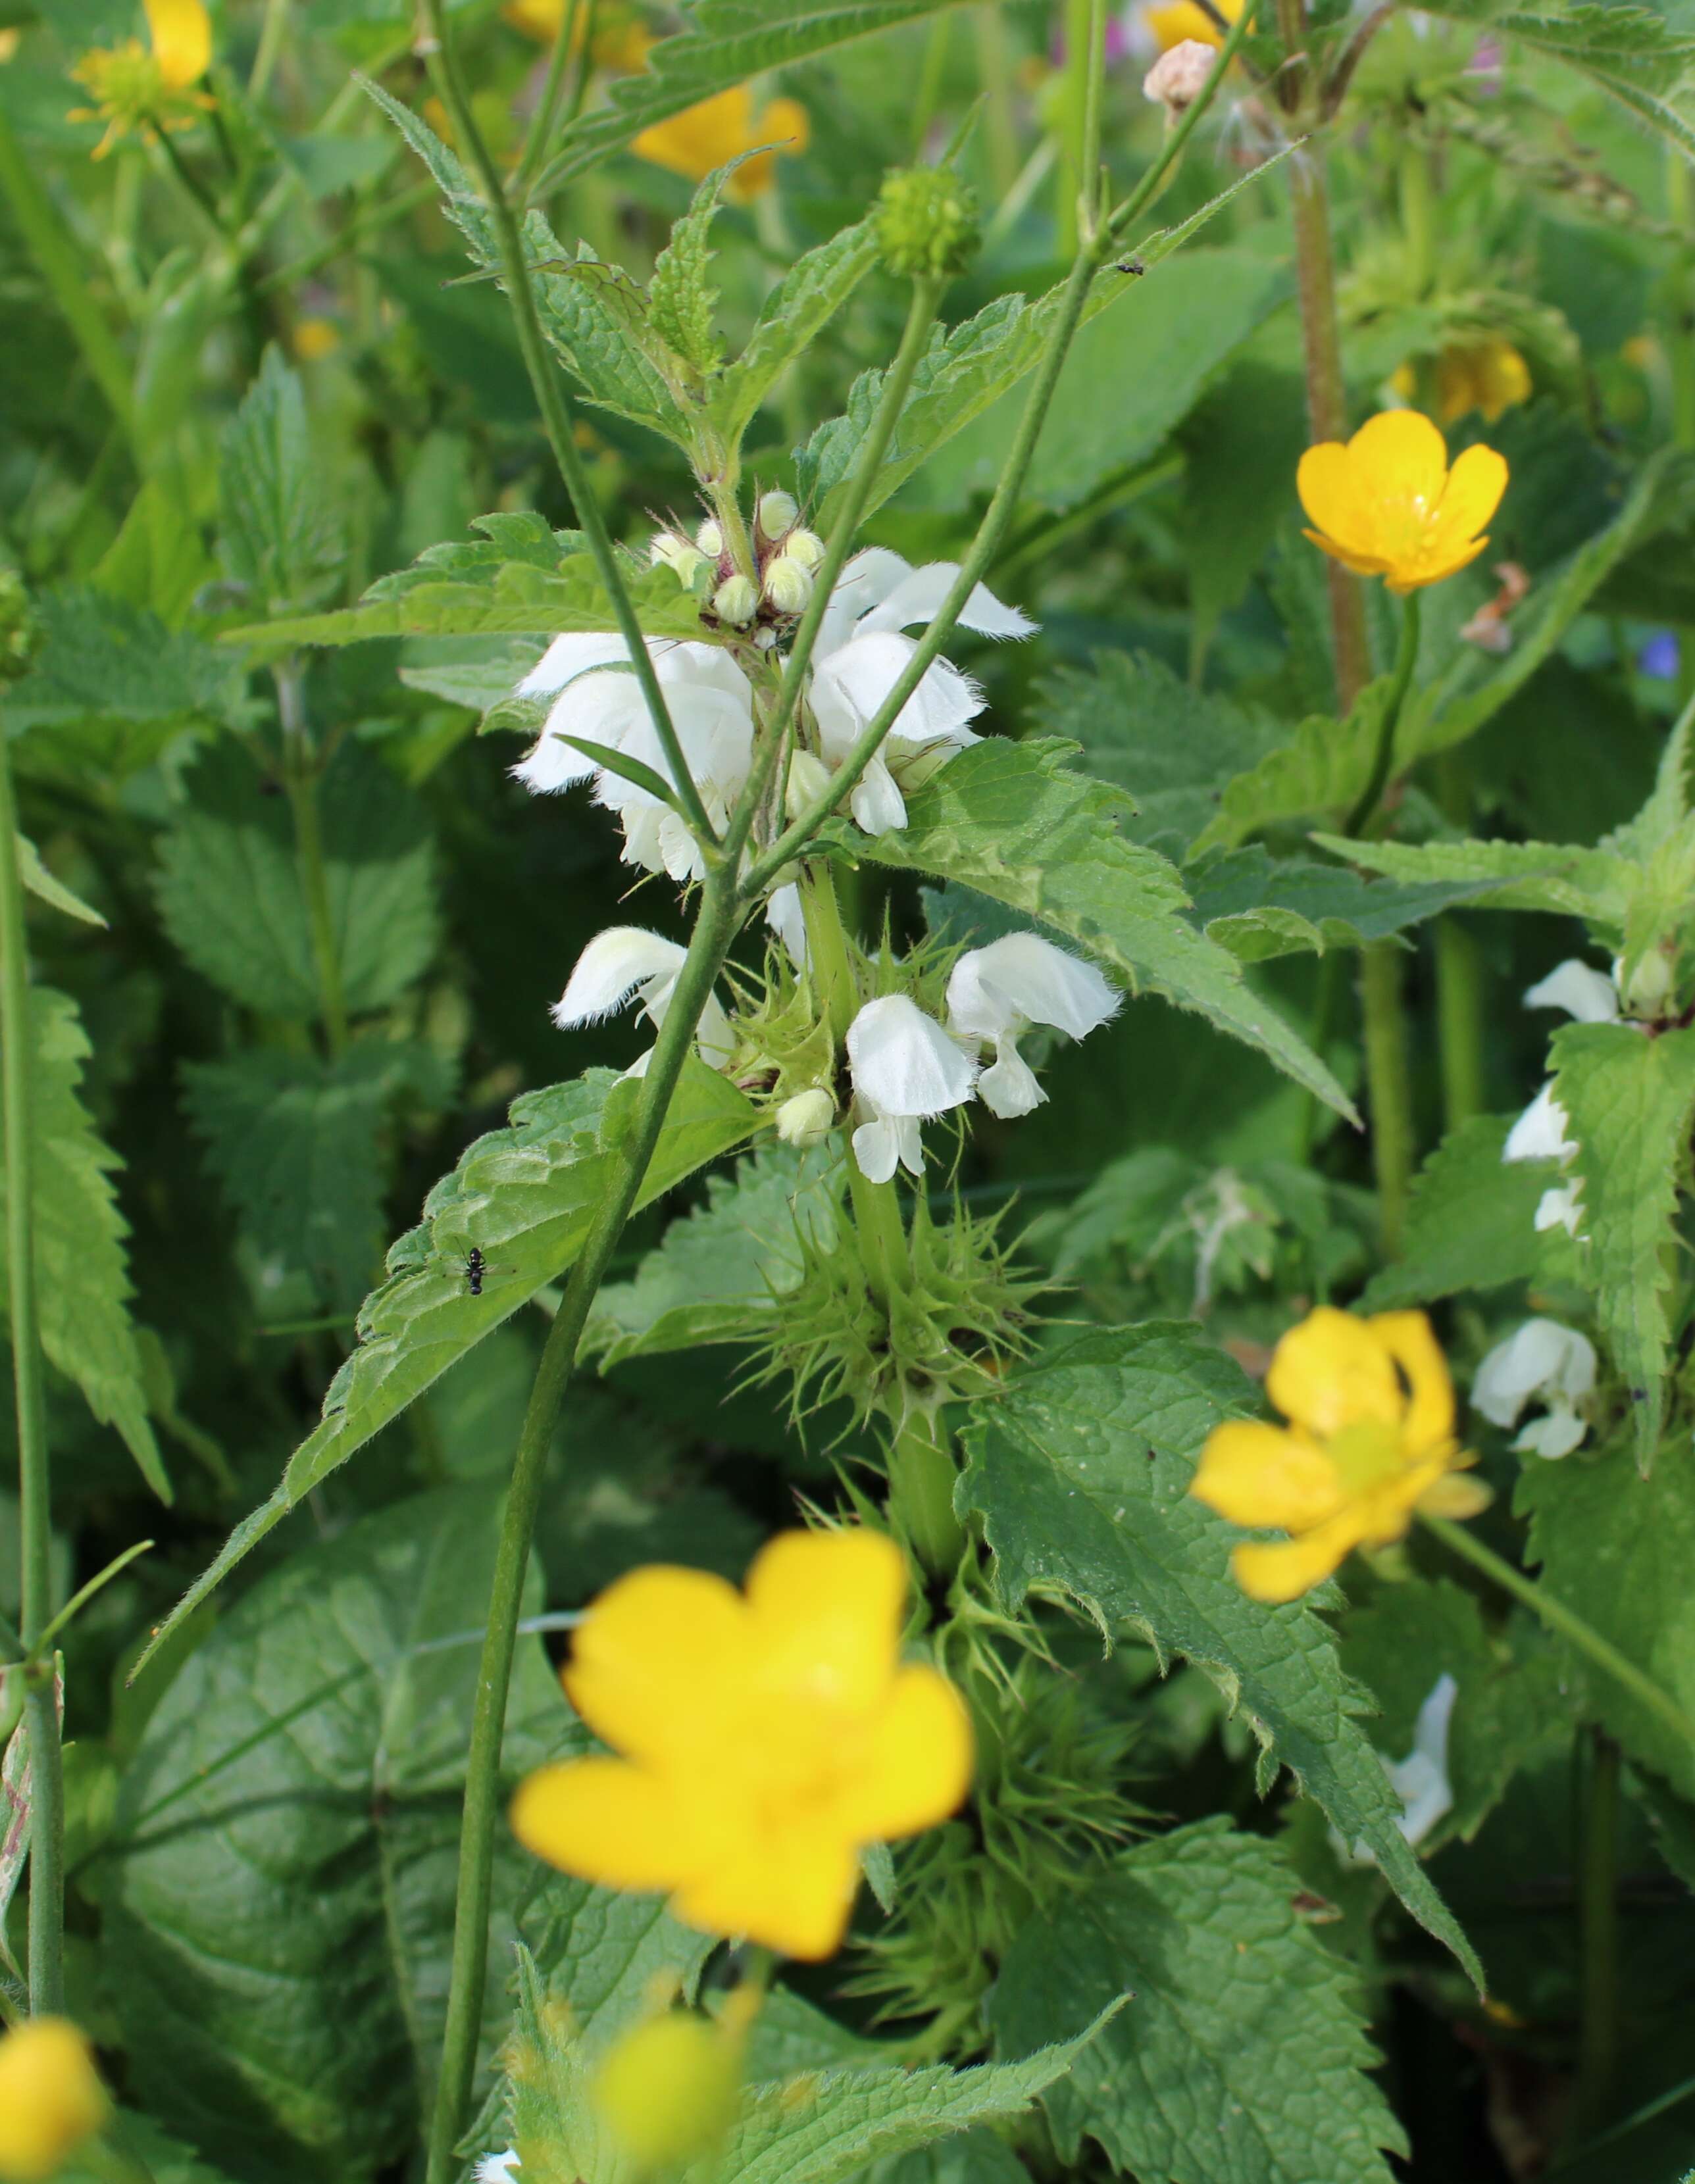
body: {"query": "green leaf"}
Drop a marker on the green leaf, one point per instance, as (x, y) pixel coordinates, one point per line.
(230, 892)
(1630, 1101)
(1244, 2051)
(525, 1196)
(1080, 1475)
(278, 538)
(719, 1272)
(41, 881)
(681, 298)
(1017, 823)
(279, 1901)
(169, 2161)
(82, 1277)
(1470, 1222)
(1569, 880)
(104, 660)
(1618, 1549)
(159, 560)
(795, 312)
(1258, 906)
(1241, 446)
(1321, 771)
(294, 1141)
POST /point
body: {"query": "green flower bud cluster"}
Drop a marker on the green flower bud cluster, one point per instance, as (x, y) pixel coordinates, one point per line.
(779, 587)
(926, 223)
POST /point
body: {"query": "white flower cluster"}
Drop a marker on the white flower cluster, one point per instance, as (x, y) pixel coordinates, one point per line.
(1542, 1362)
(1542, 1131)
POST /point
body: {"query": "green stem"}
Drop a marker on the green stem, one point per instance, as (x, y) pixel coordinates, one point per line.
(930, 80)
(301, 778)
(363, 224)
(1459, 1023)
(271, 33)
(1000, 125)
(1416, 223)
(1074, 169)
(1171, 148)
(1562, 1619)
(35, 1510)
(557, 418)
(922, 1475)
(709, 945)
(1388, 1087)
(547, 107)
(53, 248)
(1383, 758)
(1597, 1919)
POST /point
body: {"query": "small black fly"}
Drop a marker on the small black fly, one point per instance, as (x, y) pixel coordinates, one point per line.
(476, 1266)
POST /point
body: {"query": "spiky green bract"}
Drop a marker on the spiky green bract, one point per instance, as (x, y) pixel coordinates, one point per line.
(958, 1316)
(782, 1046)
(926, 223)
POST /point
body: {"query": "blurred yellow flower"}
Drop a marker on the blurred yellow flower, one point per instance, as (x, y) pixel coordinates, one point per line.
(1178, 20)
(621, 41)
(9, 41)
(1369, 1443)
(667, 2090)
(148, 88)
(51, 2097)
(1489, 376)
(767, 1737)
(315, 338)
(1386, 504)
(701, 137)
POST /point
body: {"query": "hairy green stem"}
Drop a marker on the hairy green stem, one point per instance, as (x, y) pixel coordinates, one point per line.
(1459, 1023)
(62, 266)
(35, 1510)
(714, 930)
(557, 418)
(1566, 1622)
(1153, 181)
(1597, 1920)
(301, 778)
(1388, 1087)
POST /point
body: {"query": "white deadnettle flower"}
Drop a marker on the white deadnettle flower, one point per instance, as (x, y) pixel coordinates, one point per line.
(862, 654)
(1542, 1131)
(1542, 1362)
(787, 918)
(626, 962)
(998, 992)
(1587, 995)
(1420, 1781)
(499, 2168)
(906, 1069)
(600, 700)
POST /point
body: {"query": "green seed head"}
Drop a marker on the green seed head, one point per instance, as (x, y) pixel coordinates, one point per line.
(926, 222)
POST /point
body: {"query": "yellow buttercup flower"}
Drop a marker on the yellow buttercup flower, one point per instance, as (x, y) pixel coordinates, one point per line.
(668, 2088)
(1369, 1443)
(619, 41)
(1489, 376)
(701, 137)
(148, 88)
(51, 2097)
(1386, 505)
(767, 1736)
(1178, 20)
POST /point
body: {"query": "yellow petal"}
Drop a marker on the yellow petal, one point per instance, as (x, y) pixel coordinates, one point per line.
(1284, 1569)
(1415, 575)
(1324, 480)
(1332, 1371)
(1262, 1475)
(825, 1611)
(702, 137)
(1407, 1337)
(182, 32)
(915, 1769)
(1455, 1495)
(1398, 456)
(1471, 498)
(793, 1890)
(51, 2097)
(620, 1825)
(660, 1659)
(1363, 564)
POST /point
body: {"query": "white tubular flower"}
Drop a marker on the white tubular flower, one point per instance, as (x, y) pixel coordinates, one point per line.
(1541, 1133)
(1587, 995)
(499, 2168)
(998, 992)
(906, 1068)
(807, 1119)
(787, 919)
(1543, 1363)
(626, 963)
(862, 654)
(1420, 1781)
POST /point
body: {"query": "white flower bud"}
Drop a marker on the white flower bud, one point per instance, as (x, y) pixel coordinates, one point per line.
(788, 585)
(805, 546)
(806, 1119)
(664, 548)
(1175, 80)
(736, 601)
(808, 779)
(709, 540)
(776, 513)
(1650, 985)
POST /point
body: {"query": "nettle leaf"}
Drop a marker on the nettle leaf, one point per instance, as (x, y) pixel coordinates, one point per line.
(230, 893)
(1320, 770)
(1634, 53)
(592, 313)
(1258, 906)
(1080, 1475)
(1243, 2052)
(1630, 1102)
(1558, 877)
(279, 1892)
(168, 2160)
(719, 1272)
(277, 535)
(41, 883)
(82, 1275)
(1148, 732)
(293, 1140)
(1617, 1549)
(681, 297)
(1470, 1221)
(1017, 822)
(795, 312)
(525, 1196)
(103, 659)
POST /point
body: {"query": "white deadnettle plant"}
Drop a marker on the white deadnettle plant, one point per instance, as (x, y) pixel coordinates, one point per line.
(1542, 1132)
(1542, 1363)
(626, 963)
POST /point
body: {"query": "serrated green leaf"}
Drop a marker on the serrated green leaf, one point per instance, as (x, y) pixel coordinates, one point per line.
(168, 2160)
(41, 881)
(1244, 2051)
(795, 312)
(83, 1276)
(719, 1272)
(1320, 770)
(1630, 1101)
(230, 892)
(525, 1196)
(1017, 823)
(1617, 1549)
(1562, 878)
(278, 537)
(103, 659)
(1470, 1221)
(294, 1141)
(1080, 1475)
(681, 297)
(1258, 906)
(280, 1898)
